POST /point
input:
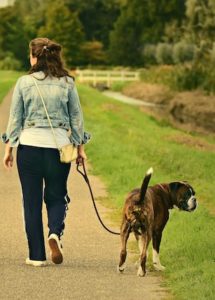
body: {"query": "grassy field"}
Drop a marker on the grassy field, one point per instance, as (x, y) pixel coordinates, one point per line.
(125, 143)
(7, 79)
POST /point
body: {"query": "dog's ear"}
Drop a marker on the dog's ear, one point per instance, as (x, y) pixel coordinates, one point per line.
(174, 186)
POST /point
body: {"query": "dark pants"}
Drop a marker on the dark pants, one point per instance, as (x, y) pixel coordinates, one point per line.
(35, 166)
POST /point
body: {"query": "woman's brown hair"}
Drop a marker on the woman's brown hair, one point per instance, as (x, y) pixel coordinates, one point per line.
(48, 54)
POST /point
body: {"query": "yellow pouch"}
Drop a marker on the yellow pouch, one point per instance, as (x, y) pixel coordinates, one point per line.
(68, 153)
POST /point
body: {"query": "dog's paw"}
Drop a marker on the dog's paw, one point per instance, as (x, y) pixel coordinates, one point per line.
(120, 269)
(158, 267)
(140, 272)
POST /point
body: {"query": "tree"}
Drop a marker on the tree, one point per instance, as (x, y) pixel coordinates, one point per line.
(64, 26)
(69, 22)
(200, 25)
(142, 22)
(125, 38)
(13, 40)
(93, 53)
(97, 17)
(32, 12)
(199, 29)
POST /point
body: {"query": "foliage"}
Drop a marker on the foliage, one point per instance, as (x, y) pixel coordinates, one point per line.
(93, 53)
(164, 53)
(125, 38)
(10, 63)
(32, 14)
(97, 17)
(64, 27)
(199, 30)
(159, 75)
(69, 22)
(183, 52)
(212, 53)
(189, 78)
(13, 38)
(149, 54)
(141, 22)
(200, 23)
(134, 33)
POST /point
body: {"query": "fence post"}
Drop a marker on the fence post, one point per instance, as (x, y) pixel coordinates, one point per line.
(122, 75)
(108, 80)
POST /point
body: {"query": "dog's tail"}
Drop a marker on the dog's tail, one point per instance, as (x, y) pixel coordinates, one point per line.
(145, 185)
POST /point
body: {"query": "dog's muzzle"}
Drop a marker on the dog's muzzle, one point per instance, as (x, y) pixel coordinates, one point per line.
(188, 205)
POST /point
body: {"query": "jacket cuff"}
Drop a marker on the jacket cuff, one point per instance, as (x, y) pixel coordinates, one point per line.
(13, 141)
(80, 141)
(4, 138)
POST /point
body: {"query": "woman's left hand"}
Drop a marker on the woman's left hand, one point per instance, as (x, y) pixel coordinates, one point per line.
(81, 155)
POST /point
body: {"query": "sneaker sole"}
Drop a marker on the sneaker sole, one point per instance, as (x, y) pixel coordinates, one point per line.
(36, 263)
(56, 255)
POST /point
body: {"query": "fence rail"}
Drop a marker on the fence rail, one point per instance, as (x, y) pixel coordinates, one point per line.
(95, 76)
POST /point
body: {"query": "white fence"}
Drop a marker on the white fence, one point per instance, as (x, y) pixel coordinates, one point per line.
(95, 76)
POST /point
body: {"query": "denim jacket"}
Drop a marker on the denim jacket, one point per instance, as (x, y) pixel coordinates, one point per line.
(62, 102)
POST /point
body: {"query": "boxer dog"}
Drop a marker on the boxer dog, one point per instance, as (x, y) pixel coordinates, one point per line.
(146, 212)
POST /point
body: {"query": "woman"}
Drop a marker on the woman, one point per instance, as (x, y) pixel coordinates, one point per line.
(37, 154)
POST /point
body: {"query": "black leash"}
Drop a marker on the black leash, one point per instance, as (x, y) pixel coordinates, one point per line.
(93, 200)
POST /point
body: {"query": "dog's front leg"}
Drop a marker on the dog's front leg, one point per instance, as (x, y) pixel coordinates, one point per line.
(144, 243)
(124, 234)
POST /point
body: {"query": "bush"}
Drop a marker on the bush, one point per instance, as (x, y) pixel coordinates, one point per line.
(194, 77)
(10, 63)
(149, 54)
(209, 82)
(183, 52)
(189, 77)
(164, 53)
(213, 53)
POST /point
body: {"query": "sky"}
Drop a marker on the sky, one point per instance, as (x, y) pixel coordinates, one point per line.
(4, 2)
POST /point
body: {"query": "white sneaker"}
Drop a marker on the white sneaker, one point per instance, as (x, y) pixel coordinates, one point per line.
(56, 249)
(36, 263)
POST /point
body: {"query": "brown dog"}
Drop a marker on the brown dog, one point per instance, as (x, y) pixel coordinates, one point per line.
(146, 213)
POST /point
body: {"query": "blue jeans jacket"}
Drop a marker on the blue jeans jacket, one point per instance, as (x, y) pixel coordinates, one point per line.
(62, 102)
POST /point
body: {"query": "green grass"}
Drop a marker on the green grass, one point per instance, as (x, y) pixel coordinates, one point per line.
(7, 80)
(125, 143)
(118, 86)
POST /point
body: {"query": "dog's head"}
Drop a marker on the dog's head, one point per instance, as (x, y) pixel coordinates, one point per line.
(183, 195)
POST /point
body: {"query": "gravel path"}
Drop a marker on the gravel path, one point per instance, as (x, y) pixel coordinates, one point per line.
(90, 254)
(129, 100)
